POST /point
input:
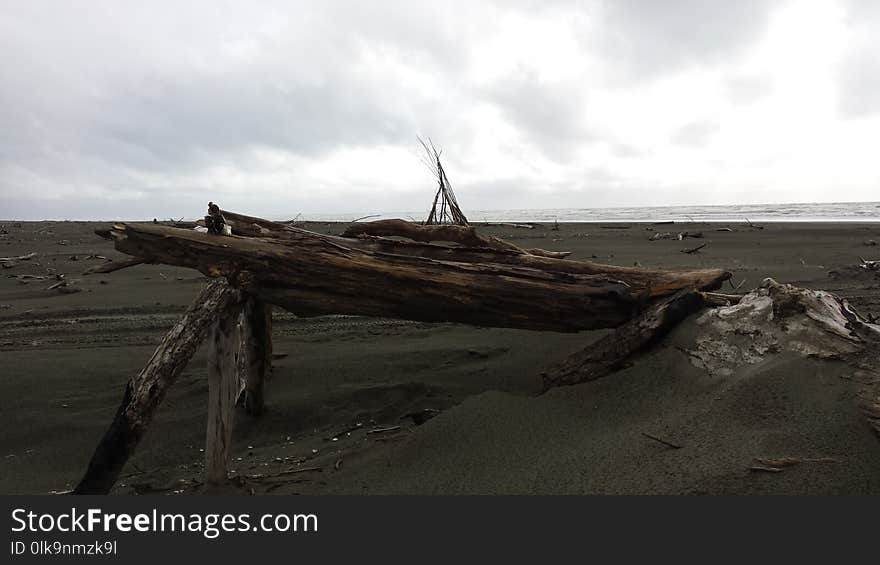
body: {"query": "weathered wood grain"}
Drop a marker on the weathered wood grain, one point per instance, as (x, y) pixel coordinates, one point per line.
(310, 274)
(223, 349)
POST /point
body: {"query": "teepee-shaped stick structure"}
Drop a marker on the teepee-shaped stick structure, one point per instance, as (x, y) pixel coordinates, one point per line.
(445, 209)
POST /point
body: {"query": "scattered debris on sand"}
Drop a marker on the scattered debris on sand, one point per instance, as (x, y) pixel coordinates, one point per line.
(693, 250)
(9, 262)
(778, 464)
(678, 237)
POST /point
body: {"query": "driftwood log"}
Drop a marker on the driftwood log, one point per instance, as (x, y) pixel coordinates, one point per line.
(478, 280)
(145, 391)
(113, 266)
(651, 283)
(310, 274)
(610, 352)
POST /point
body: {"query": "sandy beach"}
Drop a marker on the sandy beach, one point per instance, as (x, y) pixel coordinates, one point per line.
(359, 405)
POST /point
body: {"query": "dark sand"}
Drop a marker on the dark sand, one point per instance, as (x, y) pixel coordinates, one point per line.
(66, 358)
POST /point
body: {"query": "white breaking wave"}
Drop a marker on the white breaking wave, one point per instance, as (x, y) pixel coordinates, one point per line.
(824, 212)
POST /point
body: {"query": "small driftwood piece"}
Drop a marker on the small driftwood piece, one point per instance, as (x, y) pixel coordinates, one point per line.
(778, 464)
(58, 284)
(9, 262)
(113, 266)
(721, 299)
(27, 257)
(25, 279)
(661, 235)
(661, 440)
(693, 250)
(383, 430)
(145, 391)
(690, 234)
(294, 471)
(511, 225)
(612, 351)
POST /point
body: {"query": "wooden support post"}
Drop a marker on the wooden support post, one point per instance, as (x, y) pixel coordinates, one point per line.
(256, 318)
(223, 348)
(145, 391)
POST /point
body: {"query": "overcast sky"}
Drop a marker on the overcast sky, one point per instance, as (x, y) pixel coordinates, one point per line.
(133, 109)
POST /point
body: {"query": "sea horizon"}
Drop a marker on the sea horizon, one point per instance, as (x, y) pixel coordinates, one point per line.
(784, 212)
(781, 212)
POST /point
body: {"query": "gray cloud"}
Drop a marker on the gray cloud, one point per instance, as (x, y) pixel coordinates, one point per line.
(695, 134)
(859, 85)
(304, 96)
(645, 38)
(549, 115)
(859, 69)
(747, 89)
(119, 108)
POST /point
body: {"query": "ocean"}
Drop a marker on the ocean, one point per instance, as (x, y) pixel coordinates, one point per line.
(802, 212)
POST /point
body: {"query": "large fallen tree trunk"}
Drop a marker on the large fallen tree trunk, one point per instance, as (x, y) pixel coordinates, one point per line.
(650, 283)
(318, 276)
(146, 390)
